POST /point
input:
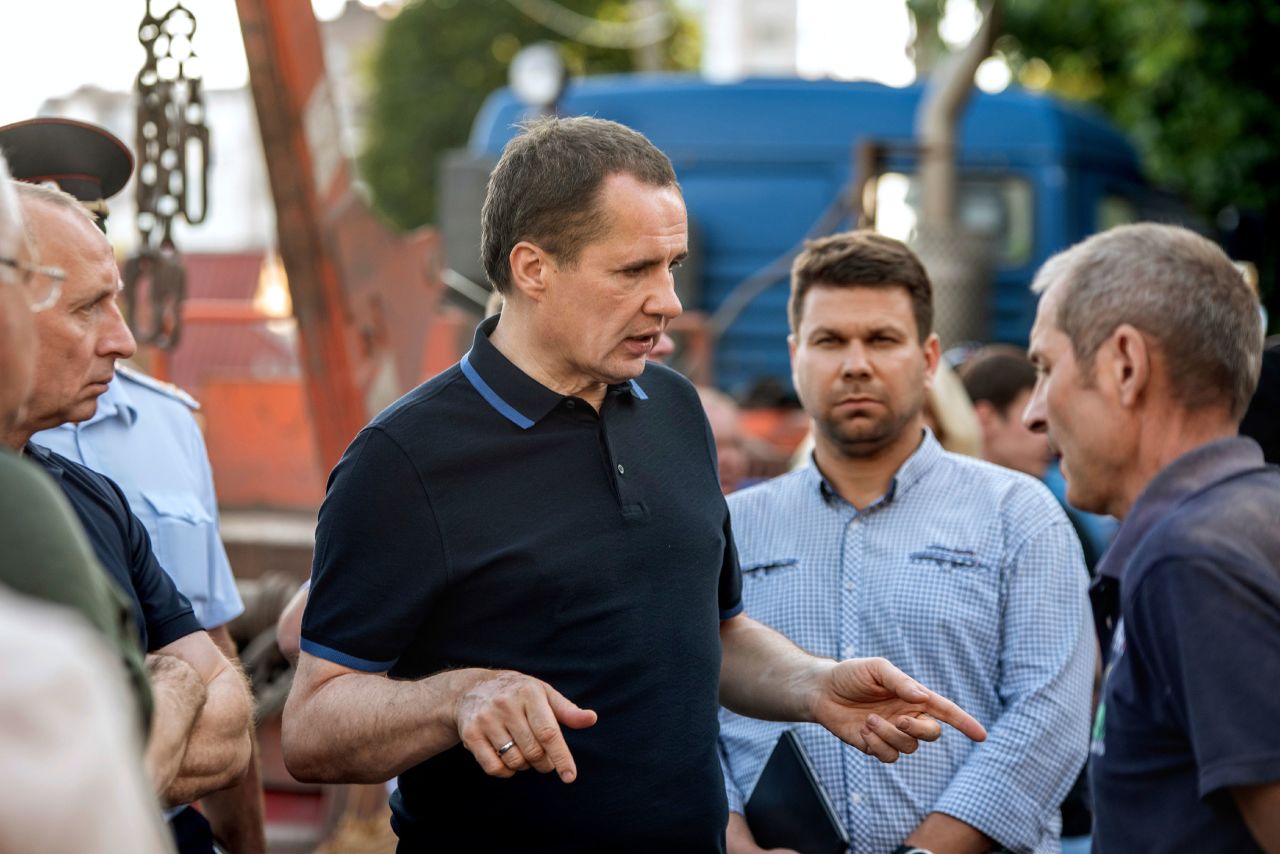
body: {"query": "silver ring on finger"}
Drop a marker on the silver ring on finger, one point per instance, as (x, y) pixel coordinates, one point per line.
(504, 748)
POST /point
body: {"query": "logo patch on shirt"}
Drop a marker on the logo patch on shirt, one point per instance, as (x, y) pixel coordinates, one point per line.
(1098, 742)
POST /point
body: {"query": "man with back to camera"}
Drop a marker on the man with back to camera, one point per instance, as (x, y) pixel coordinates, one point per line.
(887, 545)
(527, 562)
(144, 437)
(1147, 344)
(199, 741)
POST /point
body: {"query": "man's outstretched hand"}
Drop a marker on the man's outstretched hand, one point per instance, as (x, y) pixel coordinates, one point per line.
(874, 706)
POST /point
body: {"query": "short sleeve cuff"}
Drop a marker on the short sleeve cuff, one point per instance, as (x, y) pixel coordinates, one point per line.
(732, 612)
(736, 803)
(338, 657)
(218, 614)
(178, 626)
(1251, 771)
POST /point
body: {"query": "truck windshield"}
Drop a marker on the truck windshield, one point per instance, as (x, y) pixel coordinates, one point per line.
(998, 207)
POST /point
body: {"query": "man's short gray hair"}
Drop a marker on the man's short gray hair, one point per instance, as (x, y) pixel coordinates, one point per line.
(54, 196)
(1173, 285)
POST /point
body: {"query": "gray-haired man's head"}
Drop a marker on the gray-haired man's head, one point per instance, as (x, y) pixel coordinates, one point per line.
(1174, 286)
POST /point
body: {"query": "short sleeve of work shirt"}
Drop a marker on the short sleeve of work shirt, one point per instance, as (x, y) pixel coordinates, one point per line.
(120, 542)
(487, 521)
(1211, 640)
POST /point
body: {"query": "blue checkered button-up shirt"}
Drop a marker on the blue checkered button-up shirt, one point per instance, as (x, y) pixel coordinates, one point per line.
(970, 578)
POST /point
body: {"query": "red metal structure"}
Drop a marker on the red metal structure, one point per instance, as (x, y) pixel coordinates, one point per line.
(364, 298)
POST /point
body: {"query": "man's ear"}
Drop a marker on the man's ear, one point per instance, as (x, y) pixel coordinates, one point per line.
(529, 266)
(1128, 363)
(932, 349)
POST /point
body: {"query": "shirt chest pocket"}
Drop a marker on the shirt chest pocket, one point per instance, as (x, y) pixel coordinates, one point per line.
(179, 526)
(777, 591)
(955, 588)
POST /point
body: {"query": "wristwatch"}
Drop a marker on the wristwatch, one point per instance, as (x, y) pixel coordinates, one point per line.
(910, 849)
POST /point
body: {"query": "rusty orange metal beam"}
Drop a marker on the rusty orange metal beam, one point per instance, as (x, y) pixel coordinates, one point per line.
(286, 66)
(363, 296)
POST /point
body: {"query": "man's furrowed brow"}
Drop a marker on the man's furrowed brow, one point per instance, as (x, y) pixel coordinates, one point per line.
(646, 263)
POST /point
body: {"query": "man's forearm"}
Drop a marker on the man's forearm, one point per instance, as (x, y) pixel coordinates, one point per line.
(1260, 806)
(179, 694)
(220, 745)
(236, 814)
(942, 833)
(764, 675)
(366, 728)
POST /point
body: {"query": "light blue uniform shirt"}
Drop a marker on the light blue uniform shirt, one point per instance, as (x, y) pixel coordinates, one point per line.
(144, 437)
(970, 578)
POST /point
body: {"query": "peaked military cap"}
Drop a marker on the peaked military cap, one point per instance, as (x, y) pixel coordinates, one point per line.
(82, 159)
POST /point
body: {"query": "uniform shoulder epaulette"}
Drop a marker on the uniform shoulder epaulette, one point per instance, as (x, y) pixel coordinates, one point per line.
(167, 389)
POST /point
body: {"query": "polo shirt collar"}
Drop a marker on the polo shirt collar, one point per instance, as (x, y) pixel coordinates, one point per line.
(1188, 474)
(515, 395)
(908, 475)
(44, 458)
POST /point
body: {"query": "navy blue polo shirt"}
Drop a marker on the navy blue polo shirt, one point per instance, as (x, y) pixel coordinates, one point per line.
(1190, 697)
(485, 520)
(161, 614)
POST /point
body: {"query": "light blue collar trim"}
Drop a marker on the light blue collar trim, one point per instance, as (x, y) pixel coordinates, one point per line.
(491, 397)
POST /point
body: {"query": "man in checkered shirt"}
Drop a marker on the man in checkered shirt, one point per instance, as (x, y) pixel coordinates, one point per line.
(964, 573)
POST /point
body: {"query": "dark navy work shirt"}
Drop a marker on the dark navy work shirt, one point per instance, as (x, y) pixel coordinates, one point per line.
(485, 520)
(161, 613)
(1192, 685)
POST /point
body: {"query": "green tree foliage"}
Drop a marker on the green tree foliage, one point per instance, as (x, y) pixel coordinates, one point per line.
(1193, 82)
(437, 61)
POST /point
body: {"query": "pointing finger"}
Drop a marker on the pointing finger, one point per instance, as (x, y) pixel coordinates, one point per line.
(949, 713)
(546, 729)
(936, 705)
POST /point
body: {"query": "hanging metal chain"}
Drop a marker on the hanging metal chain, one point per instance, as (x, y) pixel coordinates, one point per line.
(172, 143)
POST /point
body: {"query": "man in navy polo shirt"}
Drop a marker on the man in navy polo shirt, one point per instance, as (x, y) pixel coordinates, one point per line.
(199, 738)
(1147, 345)
(527, 562)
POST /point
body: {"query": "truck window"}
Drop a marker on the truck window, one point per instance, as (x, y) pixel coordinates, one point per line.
(1000, 207)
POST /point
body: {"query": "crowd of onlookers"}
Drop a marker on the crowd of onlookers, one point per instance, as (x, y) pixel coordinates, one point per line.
(528, 563)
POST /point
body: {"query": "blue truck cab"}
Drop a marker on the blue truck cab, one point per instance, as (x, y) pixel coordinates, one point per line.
(763, 163)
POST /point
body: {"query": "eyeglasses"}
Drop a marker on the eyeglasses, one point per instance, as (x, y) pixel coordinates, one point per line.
(43, 284)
